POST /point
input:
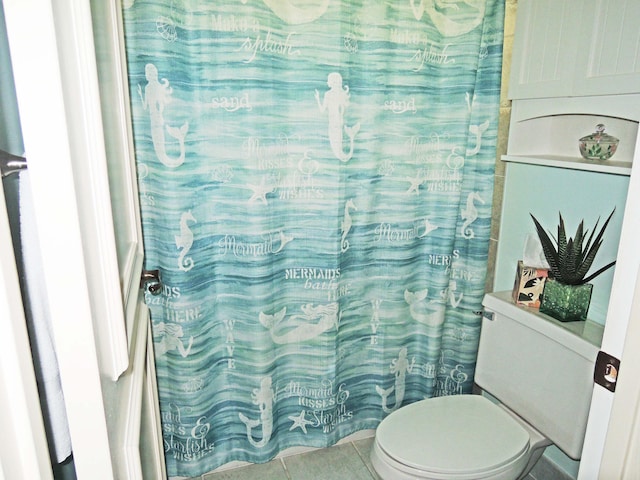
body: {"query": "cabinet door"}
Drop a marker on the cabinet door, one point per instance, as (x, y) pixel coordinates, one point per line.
(609, 60)
(544, 50)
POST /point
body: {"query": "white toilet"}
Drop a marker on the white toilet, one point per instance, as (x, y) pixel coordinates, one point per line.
(541, 373)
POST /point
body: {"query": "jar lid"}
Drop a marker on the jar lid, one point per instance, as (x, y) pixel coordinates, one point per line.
(599, 136)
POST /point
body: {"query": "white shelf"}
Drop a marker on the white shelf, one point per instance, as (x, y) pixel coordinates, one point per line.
(573, 163)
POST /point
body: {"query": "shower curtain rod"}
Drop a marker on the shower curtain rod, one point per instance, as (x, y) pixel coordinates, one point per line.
(11, 163)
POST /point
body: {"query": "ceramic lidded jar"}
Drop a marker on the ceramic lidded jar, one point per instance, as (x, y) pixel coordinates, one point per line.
(598, 145)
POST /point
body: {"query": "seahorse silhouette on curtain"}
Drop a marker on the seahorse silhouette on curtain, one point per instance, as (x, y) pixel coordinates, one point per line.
(470, 214)
(184, 241)
(347, 222)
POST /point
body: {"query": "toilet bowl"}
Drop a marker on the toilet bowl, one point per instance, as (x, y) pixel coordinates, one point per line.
(462, 437)
(469, 437)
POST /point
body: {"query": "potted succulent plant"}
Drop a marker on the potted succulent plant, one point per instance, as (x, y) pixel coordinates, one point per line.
(567, 291)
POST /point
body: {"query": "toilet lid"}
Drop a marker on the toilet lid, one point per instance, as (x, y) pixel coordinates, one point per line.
(453, 435)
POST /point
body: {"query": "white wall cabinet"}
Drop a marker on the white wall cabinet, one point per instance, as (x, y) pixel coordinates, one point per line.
(575, 48)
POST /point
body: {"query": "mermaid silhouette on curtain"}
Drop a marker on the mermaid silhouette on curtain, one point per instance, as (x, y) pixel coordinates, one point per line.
(423, 311)
(168, 337)
(335, 101)
(263, 397)
(399, 367)
(315, 320)
(156, 96)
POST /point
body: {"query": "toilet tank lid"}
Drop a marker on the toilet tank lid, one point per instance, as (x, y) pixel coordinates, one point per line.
(584, 338)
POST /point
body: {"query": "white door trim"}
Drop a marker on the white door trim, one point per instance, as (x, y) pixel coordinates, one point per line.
(23, 443)
(619, 318)
(621, 455)
(49, 148)
(107, 381)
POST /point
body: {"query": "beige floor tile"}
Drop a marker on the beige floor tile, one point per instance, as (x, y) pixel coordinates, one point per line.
(274, 470)
(341, 462)
(364, 450)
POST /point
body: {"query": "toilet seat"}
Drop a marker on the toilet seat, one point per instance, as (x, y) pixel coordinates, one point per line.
(462, 436)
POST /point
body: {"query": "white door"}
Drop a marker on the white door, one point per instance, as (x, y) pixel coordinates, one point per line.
(621, 456)
(72, 97)
(23, 445)
(620, 326)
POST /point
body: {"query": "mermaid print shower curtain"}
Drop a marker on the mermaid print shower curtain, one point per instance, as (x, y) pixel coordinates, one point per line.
(315, 181)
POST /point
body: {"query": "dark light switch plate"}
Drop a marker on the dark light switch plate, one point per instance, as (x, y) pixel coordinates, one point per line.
(606, 371)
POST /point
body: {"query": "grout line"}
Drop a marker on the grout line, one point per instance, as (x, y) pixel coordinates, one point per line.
(373, 474)
(286, 470)
(358, 451)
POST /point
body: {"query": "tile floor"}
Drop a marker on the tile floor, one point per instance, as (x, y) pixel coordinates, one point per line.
(347, 461)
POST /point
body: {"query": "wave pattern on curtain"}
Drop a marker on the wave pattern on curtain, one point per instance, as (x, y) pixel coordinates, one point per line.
(316, 180)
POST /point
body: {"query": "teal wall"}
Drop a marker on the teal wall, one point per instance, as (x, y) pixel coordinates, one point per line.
(545, 191)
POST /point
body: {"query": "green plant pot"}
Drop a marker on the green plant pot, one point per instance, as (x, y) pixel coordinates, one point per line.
(567, 303)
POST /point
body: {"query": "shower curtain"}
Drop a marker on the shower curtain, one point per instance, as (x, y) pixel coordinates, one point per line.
(315, 181)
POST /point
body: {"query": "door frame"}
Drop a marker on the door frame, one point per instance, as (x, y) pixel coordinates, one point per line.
(105, 361)
(49, 148)
(23, 443)
(621, 455)
(619, 328)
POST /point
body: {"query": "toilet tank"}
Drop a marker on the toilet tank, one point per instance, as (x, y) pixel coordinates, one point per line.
(540, 368)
